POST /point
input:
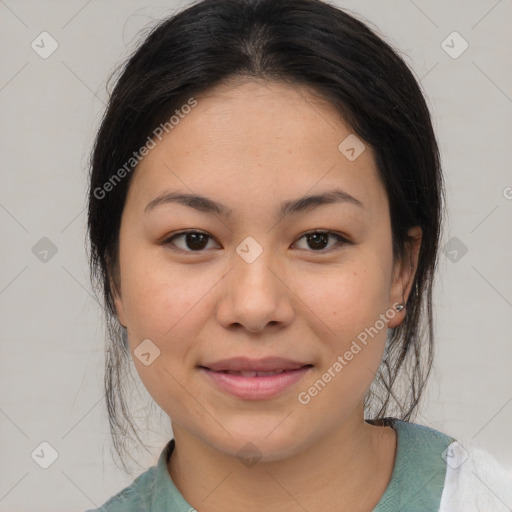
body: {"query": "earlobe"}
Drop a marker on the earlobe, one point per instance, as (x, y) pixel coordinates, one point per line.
(403, 279)
(397, 316)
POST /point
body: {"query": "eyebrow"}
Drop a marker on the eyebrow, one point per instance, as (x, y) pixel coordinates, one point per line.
(290, 207)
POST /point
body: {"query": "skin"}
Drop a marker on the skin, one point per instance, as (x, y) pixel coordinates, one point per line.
(251, 145)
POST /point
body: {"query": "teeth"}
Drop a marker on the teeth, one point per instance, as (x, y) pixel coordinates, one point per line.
(248, 374)
(253, 373)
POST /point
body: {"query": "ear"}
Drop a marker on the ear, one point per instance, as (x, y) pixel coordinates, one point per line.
(403, 275)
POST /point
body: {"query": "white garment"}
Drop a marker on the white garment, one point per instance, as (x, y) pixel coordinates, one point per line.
(475, 481)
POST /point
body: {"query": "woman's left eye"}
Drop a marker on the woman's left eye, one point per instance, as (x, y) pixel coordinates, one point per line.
(197, 241)
(319, 239)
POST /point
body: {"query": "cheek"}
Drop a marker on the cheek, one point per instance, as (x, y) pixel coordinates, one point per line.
(348, 298)
(350, 303)
(168, 304)
(157, 295)
(162, 306)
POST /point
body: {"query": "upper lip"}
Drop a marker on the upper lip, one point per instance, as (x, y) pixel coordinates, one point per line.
(267, 364)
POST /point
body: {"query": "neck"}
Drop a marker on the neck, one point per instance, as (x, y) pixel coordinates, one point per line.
(349, 469)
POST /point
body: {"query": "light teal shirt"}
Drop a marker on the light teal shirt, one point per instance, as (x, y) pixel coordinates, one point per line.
(416, 483)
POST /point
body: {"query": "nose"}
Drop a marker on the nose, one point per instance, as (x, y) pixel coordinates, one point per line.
(255, 295)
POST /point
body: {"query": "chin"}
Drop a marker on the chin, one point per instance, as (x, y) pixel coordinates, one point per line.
(257, 441)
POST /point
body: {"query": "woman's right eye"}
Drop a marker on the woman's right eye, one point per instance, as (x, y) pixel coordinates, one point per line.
(196, 241)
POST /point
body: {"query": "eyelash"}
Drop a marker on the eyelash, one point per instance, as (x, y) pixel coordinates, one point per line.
(341, 240)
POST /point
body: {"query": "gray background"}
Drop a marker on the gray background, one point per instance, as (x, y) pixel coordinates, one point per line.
(51, 365)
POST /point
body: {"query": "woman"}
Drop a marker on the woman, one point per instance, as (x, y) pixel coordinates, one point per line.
(264, 214)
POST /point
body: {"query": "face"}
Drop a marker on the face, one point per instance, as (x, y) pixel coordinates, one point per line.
(209, 293)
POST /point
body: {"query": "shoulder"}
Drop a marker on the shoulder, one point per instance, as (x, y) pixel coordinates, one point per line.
(418, 432)
(152, 491)
(134, 498)
(438, 472)
(475, 480)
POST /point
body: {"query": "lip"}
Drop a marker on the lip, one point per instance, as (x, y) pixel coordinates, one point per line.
(286, 373)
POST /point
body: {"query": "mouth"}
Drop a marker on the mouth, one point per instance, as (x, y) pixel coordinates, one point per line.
(264, 365)
(255, 379)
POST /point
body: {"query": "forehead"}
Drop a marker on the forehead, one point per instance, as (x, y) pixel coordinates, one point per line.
(254, 138)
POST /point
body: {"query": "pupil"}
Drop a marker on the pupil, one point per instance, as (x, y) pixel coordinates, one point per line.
(316, 237)
(192, 238)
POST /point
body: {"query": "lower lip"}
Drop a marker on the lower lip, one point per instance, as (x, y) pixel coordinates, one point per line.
(256, 388)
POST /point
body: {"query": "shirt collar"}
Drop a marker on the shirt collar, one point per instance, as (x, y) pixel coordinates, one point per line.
(166, 495)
